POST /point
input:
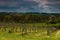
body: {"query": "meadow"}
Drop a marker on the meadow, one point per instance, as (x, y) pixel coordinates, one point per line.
(40, 33)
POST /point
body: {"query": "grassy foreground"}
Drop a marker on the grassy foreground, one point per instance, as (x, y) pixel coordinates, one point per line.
(29, 36)
(42, 35)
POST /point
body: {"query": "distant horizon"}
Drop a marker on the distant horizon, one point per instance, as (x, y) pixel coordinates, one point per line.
(29, 12)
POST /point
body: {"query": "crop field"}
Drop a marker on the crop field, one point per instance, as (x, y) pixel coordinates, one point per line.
(30, 31)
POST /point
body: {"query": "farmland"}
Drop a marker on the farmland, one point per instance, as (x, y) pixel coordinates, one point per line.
(40, 33)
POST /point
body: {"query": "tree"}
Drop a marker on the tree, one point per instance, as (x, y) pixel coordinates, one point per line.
(51, 21)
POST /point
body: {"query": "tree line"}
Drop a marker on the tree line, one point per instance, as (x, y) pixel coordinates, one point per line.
(26, 17)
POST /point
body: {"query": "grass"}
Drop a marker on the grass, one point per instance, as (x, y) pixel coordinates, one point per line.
(29, 36)
(41, 35)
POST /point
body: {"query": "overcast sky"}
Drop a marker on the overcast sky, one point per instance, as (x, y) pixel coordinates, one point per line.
(30, 6)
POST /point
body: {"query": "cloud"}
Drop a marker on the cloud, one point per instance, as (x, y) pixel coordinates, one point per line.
(47, 5)
(30, 5)
(17, 5)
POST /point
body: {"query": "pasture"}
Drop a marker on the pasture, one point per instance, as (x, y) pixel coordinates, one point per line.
(30, 31)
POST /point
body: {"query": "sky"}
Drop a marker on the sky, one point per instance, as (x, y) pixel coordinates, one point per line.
(49, 6)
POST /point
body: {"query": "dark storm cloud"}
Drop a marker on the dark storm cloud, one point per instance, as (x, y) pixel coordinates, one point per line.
(17, 5)
(54, 5)
(49, 5)
(30, 5)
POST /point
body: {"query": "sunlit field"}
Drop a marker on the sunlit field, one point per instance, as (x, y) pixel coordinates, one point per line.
(30, 33)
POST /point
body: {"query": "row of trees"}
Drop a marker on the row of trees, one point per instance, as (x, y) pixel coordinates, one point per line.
(27, 18)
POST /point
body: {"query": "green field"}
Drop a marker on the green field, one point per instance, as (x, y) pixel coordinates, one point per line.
(29, 36)
(40, 35)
